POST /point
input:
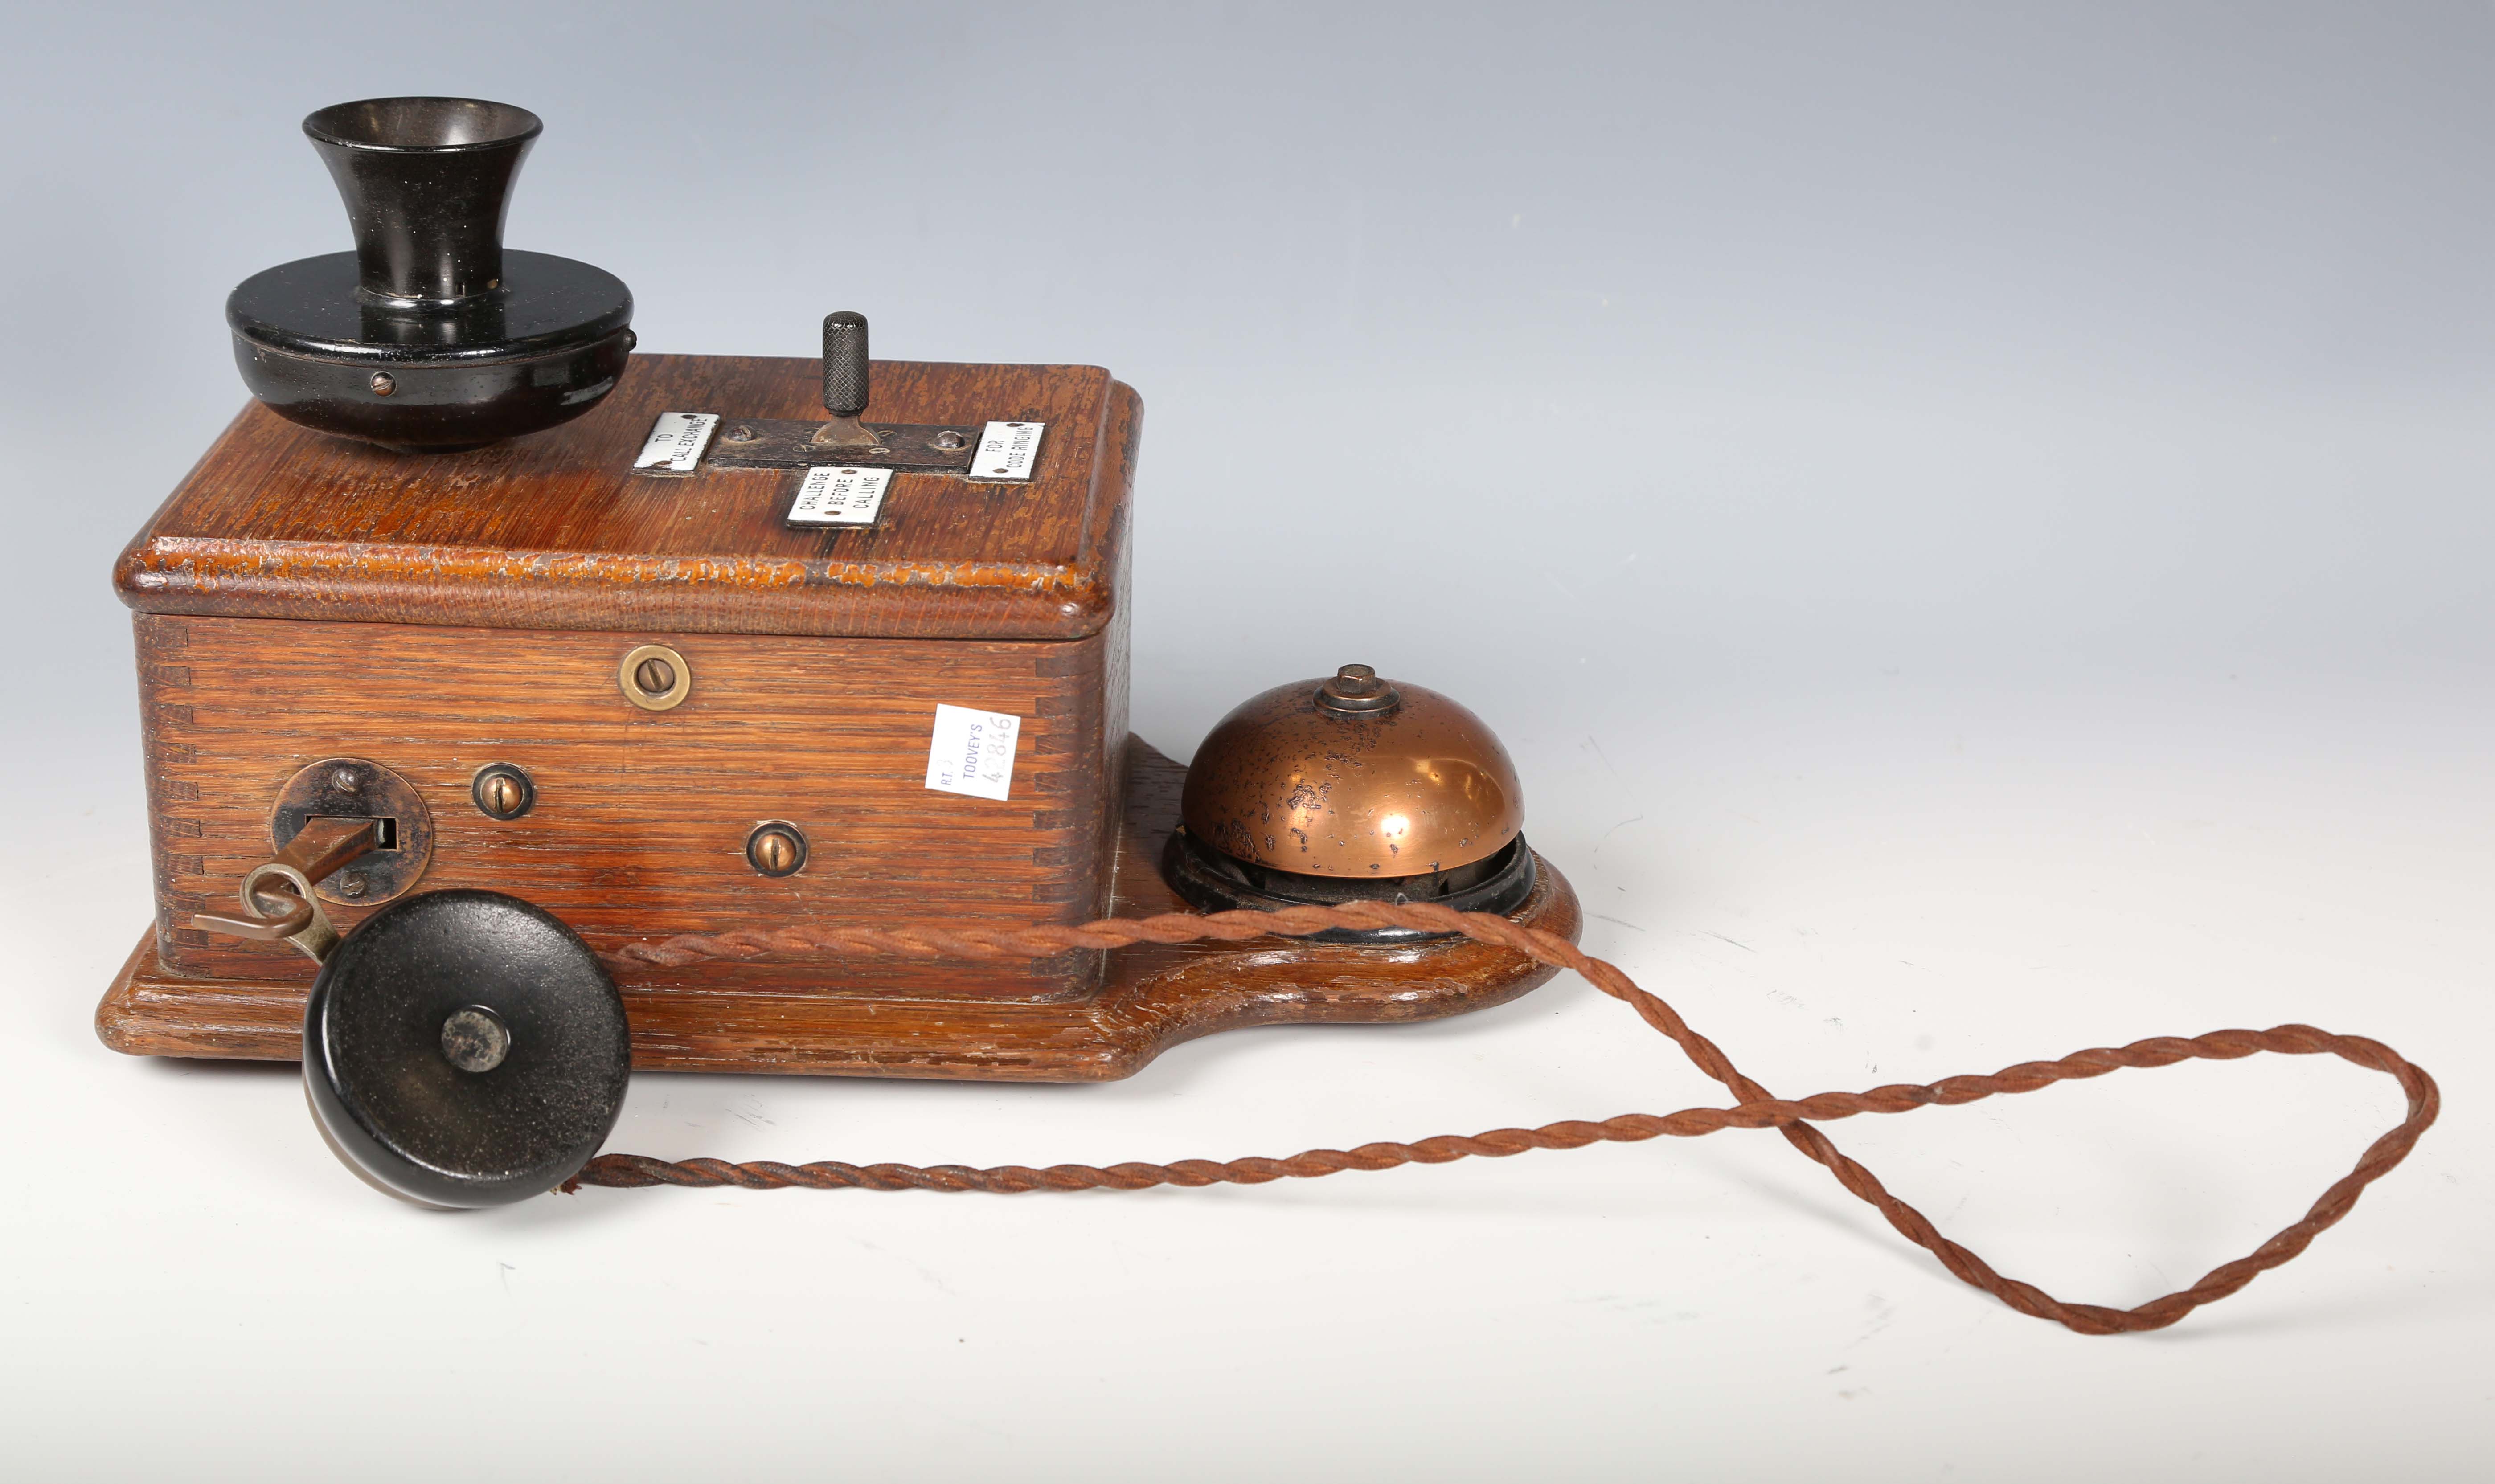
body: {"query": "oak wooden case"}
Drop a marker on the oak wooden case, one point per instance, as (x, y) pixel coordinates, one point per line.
(299, 599)
(302, 597)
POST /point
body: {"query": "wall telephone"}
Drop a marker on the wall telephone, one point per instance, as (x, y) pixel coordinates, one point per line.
(558, 711)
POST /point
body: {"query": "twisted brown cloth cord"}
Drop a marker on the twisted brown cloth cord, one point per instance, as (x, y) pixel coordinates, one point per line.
(1757, 1109)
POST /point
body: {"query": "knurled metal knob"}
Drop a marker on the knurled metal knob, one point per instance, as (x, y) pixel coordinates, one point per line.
(845, 382)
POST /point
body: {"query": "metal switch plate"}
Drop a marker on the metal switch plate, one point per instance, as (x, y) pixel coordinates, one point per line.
(761, 442)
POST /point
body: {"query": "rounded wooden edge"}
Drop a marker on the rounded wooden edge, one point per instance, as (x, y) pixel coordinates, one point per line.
(788, 594)
(116, 1023)
(1285, 982)
(147, 1011)
(1158, 998)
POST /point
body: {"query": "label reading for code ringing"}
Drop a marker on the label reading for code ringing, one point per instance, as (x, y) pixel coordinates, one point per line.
(1006, 452)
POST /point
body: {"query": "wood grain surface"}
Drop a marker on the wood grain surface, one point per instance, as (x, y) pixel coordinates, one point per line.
(1152, 997)
(558, 530)
(641, 817)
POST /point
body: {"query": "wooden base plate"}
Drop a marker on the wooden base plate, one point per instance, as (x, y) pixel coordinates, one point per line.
(1152, 998)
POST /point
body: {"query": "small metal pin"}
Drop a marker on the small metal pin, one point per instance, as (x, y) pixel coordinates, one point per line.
(475, 1039)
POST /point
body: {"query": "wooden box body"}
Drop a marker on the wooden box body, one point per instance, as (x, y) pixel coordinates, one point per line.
(300, 598)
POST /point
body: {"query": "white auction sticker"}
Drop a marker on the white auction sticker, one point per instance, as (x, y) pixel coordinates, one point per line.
(833, 496)
(974, 752)
(1006, 452)
(677, 441)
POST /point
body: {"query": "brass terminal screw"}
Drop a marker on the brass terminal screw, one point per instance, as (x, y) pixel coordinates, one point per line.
(501, 791)
(384, 383)
(776, 848)
(656, 676)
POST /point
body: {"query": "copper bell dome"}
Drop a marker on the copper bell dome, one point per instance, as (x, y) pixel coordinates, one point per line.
(1351, 788)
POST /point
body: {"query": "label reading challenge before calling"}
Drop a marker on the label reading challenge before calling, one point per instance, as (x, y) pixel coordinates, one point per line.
(840, 496)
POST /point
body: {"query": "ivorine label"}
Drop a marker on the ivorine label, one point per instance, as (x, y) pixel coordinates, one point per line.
(1006, 452)
(677, 441)
(837, 495)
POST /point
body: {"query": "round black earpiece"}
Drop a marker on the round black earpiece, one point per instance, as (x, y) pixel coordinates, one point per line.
(463, 1048)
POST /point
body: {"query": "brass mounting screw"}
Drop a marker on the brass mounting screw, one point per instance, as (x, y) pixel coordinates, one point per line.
(655, 677)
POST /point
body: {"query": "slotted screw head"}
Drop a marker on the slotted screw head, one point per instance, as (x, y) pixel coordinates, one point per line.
(501, 791)
(776, 849)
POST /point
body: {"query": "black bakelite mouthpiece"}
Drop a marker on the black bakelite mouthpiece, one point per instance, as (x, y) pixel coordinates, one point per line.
(431, 336)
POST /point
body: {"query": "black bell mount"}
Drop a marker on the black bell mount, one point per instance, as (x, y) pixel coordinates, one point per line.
(430, 336)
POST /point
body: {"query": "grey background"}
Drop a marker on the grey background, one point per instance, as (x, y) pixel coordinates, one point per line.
(1973, 519)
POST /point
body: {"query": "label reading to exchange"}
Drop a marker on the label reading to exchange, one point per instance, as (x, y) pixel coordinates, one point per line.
(836, 496)
(974, 752)
(677, 441)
